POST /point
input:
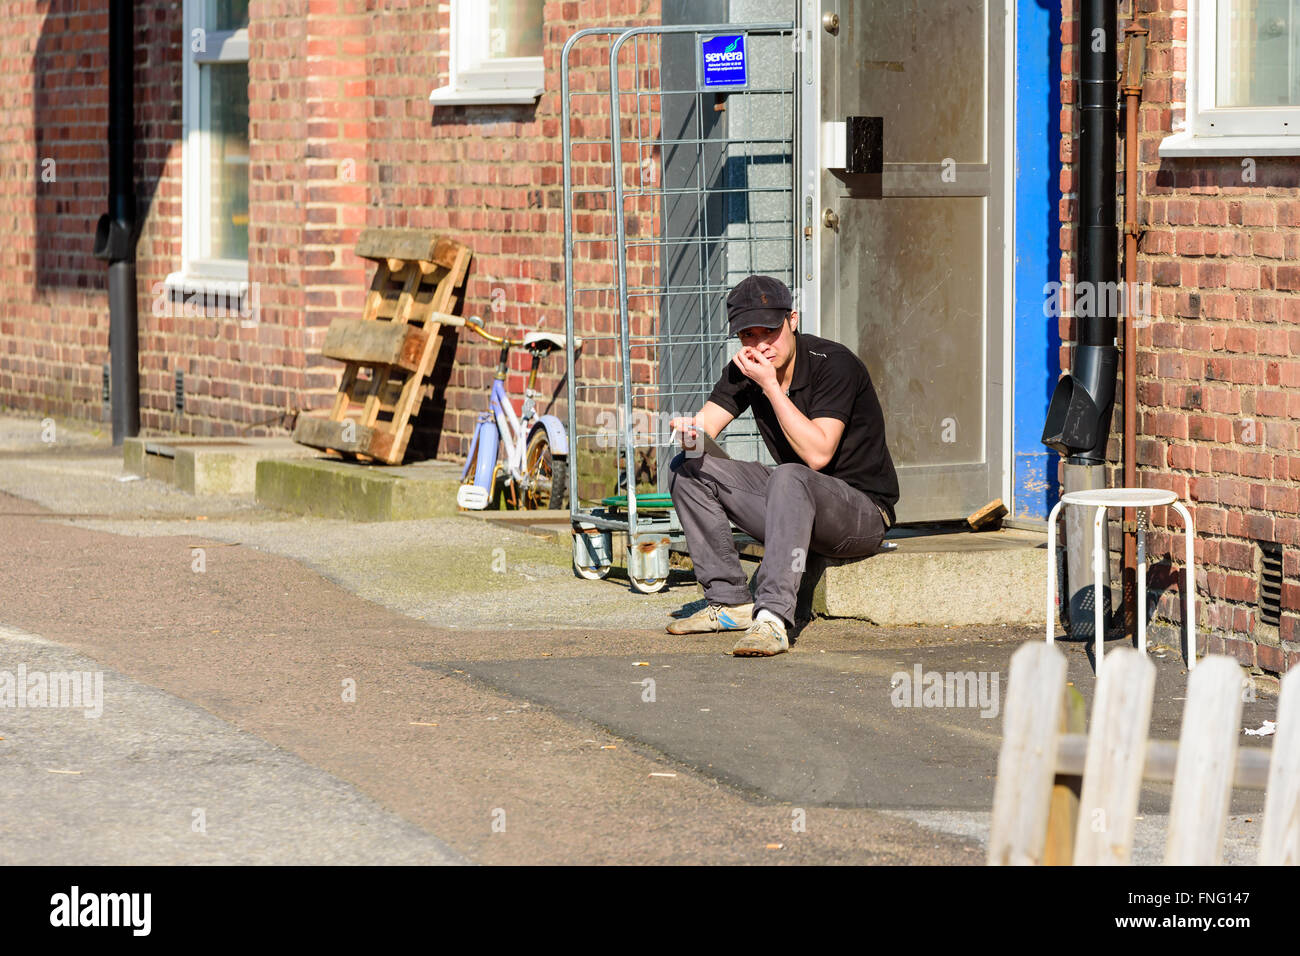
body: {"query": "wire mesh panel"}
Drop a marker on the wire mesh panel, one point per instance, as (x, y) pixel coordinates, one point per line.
(679, 182)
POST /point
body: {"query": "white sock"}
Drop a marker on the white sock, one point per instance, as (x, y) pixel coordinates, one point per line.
(765, 615)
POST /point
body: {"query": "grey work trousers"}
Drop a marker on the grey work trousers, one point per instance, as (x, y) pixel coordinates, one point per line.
(792, 509)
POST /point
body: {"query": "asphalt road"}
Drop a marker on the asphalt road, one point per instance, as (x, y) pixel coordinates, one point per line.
(317, 712)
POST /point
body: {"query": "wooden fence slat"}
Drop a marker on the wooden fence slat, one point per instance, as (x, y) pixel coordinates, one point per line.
(1112, 773)
(1063, 816)
(1026, 762)
(1280, 837)
(1207, 753)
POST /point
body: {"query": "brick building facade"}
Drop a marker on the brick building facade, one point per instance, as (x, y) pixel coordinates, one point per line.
(341, 137)
(1218, 368)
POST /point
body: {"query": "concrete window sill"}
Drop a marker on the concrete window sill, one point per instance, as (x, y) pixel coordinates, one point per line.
(504, 96)
(1189, 144)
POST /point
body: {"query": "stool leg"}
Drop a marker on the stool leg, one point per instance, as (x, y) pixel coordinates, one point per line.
(1098, 564)
(1189, 584)
(1142, 583)
(1051, 572)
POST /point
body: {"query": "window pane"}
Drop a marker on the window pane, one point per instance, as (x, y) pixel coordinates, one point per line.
(1258, 53)
(227, 14)
(514, 28)
(228, 160)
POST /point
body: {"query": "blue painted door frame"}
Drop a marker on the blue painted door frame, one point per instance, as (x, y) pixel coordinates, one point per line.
(1036, 340)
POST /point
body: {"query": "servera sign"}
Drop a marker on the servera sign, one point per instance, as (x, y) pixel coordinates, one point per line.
(724, 60)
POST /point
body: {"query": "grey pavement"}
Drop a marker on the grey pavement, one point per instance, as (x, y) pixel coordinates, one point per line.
(493, 680)
(156, 780)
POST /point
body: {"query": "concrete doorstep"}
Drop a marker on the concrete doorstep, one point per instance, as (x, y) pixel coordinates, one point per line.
(956, 579)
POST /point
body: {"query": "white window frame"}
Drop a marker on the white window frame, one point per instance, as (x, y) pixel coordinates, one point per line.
(225, 46)
(475, 78)
(1213, 131)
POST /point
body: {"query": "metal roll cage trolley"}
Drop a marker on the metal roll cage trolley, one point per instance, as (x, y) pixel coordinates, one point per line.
(647, 522)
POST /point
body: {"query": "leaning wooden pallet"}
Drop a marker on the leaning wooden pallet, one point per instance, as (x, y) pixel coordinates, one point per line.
(391, 349)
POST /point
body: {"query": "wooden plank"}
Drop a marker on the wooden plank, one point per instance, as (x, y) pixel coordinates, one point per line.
(990, 516)
(1207, 751)
(439, 301)
(1279, 842)
(1112, 772)
(411, 279)
(341, 400)
(325, 433)
(411, 244)
(375, 343)
(375, 297)
(1026, 763)
(1063, 815)
(1162, 756)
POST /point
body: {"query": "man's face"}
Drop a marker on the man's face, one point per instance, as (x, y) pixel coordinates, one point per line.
(777, 345)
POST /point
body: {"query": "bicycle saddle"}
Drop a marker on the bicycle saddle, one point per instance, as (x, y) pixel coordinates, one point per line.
(548, 341)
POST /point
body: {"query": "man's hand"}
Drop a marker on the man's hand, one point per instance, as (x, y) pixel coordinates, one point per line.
(756, 367)
(686, 427)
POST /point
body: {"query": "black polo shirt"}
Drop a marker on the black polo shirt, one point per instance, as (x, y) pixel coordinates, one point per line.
(829, 381)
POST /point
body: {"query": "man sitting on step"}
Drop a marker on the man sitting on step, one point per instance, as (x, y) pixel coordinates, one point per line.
(833, 490)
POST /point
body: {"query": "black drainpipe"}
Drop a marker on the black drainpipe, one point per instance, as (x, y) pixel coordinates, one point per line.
(115, 235)
(1078, 418)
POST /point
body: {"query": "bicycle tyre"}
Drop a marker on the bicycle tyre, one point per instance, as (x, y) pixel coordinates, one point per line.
(547, 474)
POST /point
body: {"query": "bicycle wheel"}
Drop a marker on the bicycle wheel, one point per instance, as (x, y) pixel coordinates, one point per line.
(547, 473)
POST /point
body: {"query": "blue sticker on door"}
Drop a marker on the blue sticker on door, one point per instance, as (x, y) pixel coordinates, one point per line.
(724, 60)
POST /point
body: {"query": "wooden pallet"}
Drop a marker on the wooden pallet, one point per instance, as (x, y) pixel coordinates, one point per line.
(391, 349)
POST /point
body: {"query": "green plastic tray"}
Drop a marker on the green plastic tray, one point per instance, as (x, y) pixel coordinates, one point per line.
(656, 500)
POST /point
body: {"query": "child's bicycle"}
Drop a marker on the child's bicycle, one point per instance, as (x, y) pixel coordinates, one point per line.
(535, 470)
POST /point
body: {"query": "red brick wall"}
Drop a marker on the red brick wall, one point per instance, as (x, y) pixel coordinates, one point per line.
(53, 301)
(342, 137)
(1218, 393)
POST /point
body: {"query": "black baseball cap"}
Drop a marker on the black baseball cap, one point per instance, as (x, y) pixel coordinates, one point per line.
(758, 301)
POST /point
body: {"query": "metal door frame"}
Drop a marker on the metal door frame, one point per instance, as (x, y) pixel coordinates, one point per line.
(998, 368)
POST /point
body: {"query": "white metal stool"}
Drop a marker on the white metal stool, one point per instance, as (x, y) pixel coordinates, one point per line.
(1101, 499)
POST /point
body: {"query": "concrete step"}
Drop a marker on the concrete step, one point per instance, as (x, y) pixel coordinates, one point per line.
(207, 466)
(958, 578)
(332, 488)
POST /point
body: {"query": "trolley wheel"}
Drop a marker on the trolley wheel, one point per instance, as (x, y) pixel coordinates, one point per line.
(648, 586)
(597, 572)
(547, 474)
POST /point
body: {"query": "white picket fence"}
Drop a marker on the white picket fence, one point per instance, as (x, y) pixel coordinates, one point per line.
(1063, 797)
